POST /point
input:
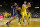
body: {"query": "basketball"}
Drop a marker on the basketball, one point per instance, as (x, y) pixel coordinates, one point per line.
(28, 3)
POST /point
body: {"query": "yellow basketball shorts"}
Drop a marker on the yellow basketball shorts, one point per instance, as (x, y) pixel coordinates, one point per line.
(24, 14)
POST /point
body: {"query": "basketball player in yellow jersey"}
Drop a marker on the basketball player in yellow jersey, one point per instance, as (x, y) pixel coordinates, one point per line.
(23, 11)
(29, 15)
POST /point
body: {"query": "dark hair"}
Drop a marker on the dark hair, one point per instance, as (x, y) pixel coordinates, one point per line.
(25, 1)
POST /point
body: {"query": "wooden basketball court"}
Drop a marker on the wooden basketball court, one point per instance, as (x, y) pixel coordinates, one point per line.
(35, 22)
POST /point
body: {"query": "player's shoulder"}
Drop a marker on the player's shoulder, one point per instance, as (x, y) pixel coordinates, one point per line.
(23, 5)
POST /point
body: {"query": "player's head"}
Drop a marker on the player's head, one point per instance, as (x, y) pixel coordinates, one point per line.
(25, 2)
(16, 6)
(15, 3)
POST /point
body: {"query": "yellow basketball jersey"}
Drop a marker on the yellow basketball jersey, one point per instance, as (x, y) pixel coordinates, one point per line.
(24, 9)
(29, 14)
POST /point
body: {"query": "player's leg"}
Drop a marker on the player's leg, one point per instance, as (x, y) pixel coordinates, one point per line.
(18, 12)
(29, 17)
(26, 18)
(22, 18)
(19, 15)
(19, 18)
(10, 21)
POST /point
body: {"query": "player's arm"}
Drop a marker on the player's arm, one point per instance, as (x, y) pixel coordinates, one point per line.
(19, 8)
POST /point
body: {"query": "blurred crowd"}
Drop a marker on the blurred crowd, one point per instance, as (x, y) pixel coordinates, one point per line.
(5, 14)
(35, 15)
